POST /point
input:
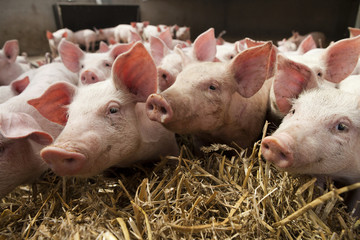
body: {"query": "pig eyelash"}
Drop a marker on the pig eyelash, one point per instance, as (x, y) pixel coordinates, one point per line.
(113, 110)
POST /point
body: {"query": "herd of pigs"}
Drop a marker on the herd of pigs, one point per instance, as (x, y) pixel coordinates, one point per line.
(83, 111)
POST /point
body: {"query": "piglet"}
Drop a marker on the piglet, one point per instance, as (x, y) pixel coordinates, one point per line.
(55, 38)
(91, 67)
(10, 67)
(24, 132)
(87, 38)
(217, 101)
(319, 136)
(105, 122)
(171, 62)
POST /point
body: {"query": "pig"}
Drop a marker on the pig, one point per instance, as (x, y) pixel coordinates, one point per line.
(125, 32)
(116, 131)
(294, 41)
(354, 31)
(15, 88)
(107, 34)
(10, 67)
(319, 136)
(24, 132)
(171, 63)
(55, 38)
(87, 38)
(91, 67)
(316, 67)
(182, 33)
(151, 30)
(217, 101)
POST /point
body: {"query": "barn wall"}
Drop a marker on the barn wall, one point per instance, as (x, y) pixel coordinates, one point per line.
(28, 20)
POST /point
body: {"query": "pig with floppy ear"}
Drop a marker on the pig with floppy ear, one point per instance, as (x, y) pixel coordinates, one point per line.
(117, 131)
(20, 131)
(333, 64)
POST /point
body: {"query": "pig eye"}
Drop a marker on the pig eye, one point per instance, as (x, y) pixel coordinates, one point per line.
(319, 74)
(113, 110)
(341, 127)
(82, 66)
(107, 64)
(212, 87)
(292, 111)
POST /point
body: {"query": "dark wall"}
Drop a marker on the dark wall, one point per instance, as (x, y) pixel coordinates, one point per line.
(28, 20)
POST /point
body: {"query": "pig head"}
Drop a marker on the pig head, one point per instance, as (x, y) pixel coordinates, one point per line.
(92, 67)
(105, 122)
(215, 101)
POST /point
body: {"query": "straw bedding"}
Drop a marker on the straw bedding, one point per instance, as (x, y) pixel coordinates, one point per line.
(224, 194)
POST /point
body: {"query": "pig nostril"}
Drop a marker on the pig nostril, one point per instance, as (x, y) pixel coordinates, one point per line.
(163, 110)
(164, 76)
(266, 145)
(151, 107)
(69, 160)
(282, 155)
(93, 78)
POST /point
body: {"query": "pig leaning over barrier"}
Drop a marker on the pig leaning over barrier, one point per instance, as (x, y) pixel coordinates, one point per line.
(216, 101)
(107, 124)
(320, 136)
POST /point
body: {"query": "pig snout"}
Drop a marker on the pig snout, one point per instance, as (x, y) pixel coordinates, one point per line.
(89, 77)
(63, 162)
(158, 109)
(277, 150)
(165, 78)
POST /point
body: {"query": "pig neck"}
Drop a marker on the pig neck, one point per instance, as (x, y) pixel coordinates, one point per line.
(155, 139)
(243, 121)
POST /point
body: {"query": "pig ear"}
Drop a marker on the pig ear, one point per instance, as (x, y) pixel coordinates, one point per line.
(19, 85)
(64, 35)
(11, 50)
(103, 47)
(341, 58)
(250, 69)
(120, 48)
(49, 35)
(158, 49)
(290, 80)
(136, 71)
(204, 48)
(146, 23)
(53, 103)
(70, 55)
(167, 38)
(134, 36)
(21, 125)
(354, 31)
(133, 24)
(185, 59)
(306, 45)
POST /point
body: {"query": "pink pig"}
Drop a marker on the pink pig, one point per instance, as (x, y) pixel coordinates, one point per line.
(87, 38)
(316, 67)
(124, 33)
(10, 68)
(92, 67)
(24, 132)
(55, 38)
(106, 124)
(170, 63)
(216, 101)
(319, 136)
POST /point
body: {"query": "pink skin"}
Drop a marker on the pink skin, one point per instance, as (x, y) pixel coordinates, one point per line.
(319, 136)
(116, 131)
(15, 88)
(214, 100)
(10, 68)
(317, 67)
(91, 67)
(22, 127)
(87, 38)
(170, 63)
(106, 34)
